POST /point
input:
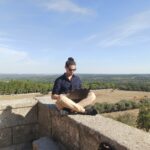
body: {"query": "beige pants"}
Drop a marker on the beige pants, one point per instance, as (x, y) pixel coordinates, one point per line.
(76, 100)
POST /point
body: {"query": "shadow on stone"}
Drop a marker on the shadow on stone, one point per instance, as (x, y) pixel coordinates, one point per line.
(8, 115)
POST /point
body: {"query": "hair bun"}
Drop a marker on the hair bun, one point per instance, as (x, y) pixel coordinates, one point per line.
(70, 59)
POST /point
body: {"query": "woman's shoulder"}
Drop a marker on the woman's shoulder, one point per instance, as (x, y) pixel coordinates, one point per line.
(77, 77)
(60, 78)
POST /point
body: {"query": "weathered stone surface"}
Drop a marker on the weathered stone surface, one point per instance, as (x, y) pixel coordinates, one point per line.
(13, 117)
(17, 103)
(44, 131)
(66, 131)
(93, 132)
(23, 146)
(44, 120)
(88, 139)
(74, 131)
(45, 143)
(119, 135)
(25, 133)
(5, 137)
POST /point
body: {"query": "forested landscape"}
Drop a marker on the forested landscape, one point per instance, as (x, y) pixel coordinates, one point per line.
(17, 84)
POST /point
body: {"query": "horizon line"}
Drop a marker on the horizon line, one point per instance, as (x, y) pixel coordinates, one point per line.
(75, 73)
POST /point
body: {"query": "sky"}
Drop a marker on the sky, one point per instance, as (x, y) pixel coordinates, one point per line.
(103, 36)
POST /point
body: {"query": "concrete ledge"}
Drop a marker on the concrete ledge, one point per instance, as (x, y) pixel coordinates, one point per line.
(94, 132)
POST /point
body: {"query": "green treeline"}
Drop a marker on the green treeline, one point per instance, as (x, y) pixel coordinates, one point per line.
(19, 87)
(120, 106)
(129, 86)
(28, 86)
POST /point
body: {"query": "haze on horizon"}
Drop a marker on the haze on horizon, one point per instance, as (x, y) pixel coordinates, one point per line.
(104, 37)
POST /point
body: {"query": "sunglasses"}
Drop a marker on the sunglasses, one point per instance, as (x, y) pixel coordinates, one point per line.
(71, 69)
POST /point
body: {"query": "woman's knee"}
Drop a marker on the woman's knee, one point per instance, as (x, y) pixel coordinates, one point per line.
(92, 96)
(62, 96)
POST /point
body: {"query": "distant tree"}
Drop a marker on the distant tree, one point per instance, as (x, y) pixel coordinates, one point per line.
(24, 86)
(143, 120)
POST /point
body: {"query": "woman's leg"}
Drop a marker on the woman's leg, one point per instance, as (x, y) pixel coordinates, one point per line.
(68, 103)
(89, 100)
(59, 105)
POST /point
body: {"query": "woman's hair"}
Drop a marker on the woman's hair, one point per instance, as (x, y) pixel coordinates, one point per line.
(69, 62)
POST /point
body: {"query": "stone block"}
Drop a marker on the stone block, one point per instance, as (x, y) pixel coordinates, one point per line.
(5, 137)
(45, 143)
(66, 131)
(44, 120)
(25, 133)
(44, 131)
(89, 139)
(117, 135)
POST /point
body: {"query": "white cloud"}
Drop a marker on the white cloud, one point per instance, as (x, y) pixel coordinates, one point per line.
(65, 6)
(131, 29)
(14, 61)
(12, 55)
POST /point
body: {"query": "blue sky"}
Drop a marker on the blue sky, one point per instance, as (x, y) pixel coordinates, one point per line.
(103, 36)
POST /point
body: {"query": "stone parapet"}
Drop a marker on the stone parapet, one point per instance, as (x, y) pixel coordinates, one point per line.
(82, 132)
(22, 121)
(18, 123)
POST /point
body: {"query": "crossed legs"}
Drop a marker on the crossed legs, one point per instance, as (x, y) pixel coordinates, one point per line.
(67, 102)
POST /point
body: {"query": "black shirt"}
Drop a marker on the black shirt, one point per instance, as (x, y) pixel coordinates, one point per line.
(63, 85)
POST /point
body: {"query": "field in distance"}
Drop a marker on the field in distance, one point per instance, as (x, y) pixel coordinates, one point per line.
(103, 95)
(19, 96)
(113, 96)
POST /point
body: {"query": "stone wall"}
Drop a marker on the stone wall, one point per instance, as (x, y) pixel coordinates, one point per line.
(18, 123)
(82, 132)
(24, 120)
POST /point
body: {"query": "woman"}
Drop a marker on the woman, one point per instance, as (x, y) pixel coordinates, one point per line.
(68, 93)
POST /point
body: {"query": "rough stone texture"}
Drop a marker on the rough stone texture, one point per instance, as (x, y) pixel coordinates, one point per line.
(13, 117)
(45, 143)
(18, 123)
(66, 131)
(23, 146)
(25, 133)
(88, 139)
(74, 131)
(17, 103)
(93, 132)
(117, 134)
(44, 120)
(5, 137)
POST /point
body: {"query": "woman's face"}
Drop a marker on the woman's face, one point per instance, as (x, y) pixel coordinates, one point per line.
(71, 69)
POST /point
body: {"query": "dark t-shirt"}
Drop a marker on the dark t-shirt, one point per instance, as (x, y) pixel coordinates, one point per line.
(63, 85)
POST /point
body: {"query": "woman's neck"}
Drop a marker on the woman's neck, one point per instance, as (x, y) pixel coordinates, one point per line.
(69, 77)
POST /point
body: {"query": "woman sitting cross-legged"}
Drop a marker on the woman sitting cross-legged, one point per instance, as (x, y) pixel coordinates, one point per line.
(69, 94)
